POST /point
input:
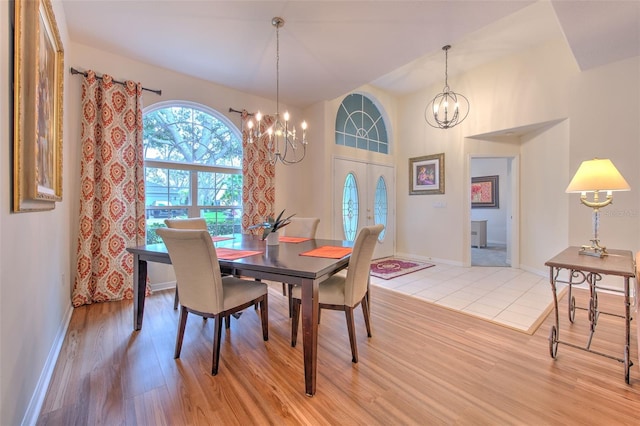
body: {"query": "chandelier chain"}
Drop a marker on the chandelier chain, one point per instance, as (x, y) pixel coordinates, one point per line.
(278, 24)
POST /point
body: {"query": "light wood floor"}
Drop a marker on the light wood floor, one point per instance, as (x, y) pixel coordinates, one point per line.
(424, 365)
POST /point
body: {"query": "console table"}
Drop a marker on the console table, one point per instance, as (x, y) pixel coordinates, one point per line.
(590, 269)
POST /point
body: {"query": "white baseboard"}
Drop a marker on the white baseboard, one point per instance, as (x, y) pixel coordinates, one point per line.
(427, 259)
(37, 399)
(162, 286)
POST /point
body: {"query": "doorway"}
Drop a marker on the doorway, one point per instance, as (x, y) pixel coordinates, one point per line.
(364, 195)
(492, 233)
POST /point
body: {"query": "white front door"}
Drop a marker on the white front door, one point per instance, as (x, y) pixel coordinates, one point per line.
(364, 195)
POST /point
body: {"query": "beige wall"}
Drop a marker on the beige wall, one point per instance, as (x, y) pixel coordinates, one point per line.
(542, 85)
(35, 300)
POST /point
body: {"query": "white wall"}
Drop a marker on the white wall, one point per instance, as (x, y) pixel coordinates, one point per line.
(542, 85)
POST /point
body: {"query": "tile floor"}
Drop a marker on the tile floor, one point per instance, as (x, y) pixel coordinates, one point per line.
(508, 296)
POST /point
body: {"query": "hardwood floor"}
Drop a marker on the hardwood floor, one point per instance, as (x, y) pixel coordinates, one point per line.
(424, 365)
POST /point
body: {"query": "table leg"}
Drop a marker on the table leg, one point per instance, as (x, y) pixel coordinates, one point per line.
(310, 334)
(554, 335)
(139, 290)
(627, 330)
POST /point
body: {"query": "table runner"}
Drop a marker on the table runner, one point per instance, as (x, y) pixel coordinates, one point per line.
(331, 252)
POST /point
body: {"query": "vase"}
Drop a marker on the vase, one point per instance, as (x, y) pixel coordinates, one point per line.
(272, 239)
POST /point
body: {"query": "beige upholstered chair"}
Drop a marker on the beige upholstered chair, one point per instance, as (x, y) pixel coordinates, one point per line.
(192, 223)
(203, 290)
(304, 227)
(344, 293)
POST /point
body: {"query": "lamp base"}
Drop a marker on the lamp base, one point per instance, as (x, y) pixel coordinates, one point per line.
(594, 249)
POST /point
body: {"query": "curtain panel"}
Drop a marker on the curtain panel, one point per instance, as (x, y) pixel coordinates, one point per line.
(258, 177)
(112, 210)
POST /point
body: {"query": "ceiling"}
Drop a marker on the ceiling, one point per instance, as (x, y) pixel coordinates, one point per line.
(329, 47)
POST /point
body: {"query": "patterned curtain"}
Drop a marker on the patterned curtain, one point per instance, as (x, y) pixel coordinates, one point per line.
(258, 178)
(112, 190)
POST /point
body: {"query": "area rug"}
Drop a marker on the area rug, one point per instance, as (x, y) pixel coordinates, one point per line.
(392, 267)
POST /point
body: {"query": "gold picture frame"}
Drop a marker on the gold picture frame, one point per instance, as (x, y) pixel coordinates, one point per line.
(426, 175)
(38, 96)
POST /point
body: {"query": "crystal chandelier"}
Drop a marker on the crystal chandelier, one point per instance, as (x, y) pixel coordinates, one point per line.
(438, 113)
(283, 144)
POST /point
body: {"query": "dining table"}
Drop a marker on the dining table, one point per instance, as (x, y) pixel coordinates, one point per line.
(302, 262)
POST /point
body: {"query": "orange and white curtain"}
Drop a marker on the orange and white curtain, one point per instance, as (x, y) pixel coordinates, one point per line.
(258, 177)
(112, 190)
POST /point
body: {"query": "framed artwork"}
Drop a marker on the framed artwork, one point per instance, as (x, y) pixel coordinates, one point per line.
(38, 92)
(426, 175)
(484, 192)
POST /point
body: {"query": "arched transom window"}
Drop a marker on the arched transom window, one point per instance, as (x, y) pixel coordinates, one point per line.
(359, 124)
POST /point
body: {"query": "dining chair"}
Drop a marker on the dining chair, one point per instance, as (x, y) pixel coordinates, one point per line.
(346, 292)
(191, 223)
(203, 289)
(304, 227)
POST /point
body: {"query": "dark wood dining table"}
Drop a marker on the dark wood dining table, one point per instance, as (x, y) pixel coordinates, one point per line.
(281, 263)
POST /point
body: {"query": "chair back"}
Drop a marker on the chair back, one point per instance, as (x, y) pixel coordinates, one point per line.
(304, 227)
(191, 223)
(357, 280)
(196, 266)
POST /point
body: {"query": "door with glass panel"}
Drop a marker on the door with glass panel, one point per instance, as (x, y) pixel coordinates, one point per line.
(364, 195)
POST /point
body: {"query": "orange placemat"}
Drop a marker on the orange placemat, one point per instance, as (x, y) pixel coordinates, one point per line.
(331, 252)
(216, 239)
(285, 239)
(232, 254)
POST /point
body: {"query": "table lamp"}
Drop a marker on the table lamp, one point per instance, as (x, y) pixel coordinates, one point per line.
(597, 175)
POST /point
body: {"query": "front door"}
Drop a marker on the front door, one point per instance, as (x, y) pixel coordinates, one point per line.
(364, 195)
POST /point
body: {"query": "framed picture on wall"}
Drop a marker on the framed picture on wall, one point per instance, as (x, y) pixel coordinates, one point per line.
(484, 192)
(426, 175)
(38, 93)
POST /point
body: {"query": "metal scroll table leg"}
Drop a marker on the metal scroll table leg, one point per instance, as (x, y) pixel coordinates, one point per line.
(627, 327)
(555, 329)
(571, 299)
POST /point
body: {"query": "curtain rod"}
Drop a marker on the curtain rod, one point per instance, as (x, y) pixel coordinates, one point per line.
(240, 112)
(99, 77)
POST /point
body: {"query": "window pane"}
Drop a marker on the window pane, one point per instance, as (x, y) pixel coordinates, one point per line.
(350, 208)
(224, 221)
(166, 186)
(380, 206)
(219, 189)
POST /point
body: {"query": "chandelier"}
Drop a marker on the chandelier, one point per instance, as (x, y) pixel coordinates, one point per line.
(439, 113)
(283, 143)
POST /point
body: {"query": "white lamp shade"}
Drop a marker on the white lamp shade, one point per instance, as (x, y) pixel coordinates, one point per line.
(597, 175)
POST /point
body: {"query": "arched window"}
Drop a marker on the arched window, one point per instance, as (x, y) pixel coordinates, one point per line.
(193, 167)
(359, 124)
